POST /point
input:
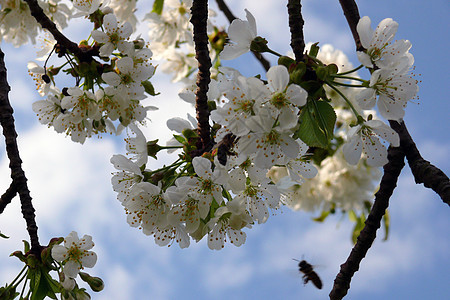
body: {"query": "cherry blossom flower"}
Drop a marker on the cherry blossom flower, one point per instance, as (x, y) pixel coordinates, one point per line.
(242, 94)
(74, 254)
(394, 88)
(379, 50)
(86, 7)
(146, 206)
(128, 174)
(241, 33)
(115, 36)
(49, 109)
(221, 228)
(270, 143)
(127, 82)
(364, 138)
(205, 187)
(285, 100)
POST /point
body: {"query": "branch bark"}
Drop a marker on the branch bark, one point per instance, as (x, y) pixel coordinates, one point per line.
(199, 19)
(38, 13)
(7, 197)
(15, 163)
(351, 13)
(230, 16)
(296, 27)
(423, 171)
(388, 183)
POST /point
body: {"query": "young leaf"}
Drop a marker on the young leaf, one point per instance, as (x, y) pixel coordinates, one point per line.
(317, 121)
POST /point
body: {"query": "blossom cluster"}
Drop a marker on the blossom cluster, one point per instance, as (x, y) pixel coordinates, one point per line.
(262, 159)
(109, 97)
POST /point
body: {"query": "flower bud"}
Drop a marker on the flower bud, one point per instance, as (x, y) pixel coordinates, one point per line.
(259, 44)
(96, 283)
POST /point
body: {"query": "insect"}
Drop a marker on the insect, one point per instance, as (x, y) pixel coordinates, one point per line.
(309, 274)
(223, 148)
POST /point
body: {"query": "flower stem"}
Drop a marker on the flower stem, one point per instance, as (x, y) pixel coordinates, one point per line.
(355, 112)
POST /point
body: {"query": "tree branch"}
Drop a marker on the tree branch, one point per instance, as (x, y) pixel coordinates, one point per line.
(7, 197)
(227, 12)
(352, 15)
(15, 163)
(199, 19)
(296, 27)
(38, 13)
(388, 183)
(424, 172)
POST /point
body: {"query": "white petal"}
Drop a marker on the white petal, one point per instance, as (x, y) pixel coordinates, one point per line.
(296, 95)
(110, 23)
(111, 78)
(364, 31)
(352, 150)
(278, 78)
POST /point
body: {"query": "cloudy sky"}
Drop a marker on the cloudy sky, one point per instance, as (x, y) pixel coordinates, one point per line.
(70, 185)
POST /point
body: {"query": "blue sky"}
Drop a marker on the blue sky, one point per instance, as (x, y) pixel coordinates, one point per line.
(71, 187)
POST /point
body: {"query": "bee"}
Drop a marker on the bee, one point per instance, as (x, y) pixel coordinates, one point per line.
(223, 148)
(309, 273)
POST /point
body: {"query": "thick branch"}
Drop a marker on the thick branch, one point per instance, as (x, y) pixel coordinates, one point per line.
(296, 27)
(227, 12)
(424, 172)
(15, 163)
(62, 40)
(7, 197)
(352, 15)
(199, 19)
(388, 183)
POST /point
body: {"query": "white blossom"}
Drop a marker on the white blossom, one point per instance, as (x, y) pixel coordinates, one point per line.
(74, 254)
(364, 138)
(379, 50)
(115, 36)
(241, 33)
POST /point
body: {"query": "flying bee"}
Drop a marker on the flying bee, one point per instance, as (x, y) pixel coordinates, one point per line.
(224, 148)
(309, 274)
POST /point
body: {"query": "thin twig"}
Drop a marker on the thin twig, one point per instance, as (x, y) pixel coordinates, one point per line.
(7, 197)
(15, 163)
(199, 19)
(296, 27)
(388, 183)
(423, 171)
(38, 13)
(227, 12)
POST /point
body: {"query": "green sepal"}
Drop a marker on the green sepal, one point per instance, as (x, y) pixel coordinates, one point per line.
(314, 50)
(386, 223)
(317, 121)
(158, 6)
(149, 88)
(322, 216)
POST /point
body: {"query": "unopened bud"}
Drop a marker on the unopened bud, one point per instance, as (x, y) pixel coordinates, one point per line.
(96, 283)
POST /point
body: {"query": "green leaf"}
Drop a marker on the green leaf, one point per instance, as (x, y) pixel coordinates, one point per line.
(149, 88)
(322, 217)
(317, 121)
(4, 236)
(158, 6)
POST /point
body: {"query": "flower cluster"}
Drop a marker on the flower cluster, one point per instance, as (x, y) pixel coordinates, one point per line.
(266, 135)
(17, 26)
(108, 98)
